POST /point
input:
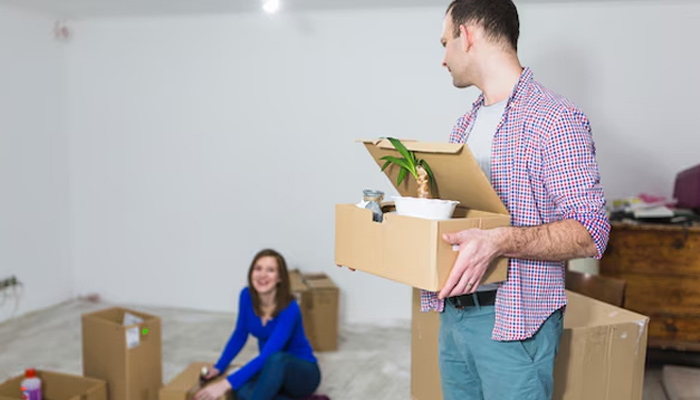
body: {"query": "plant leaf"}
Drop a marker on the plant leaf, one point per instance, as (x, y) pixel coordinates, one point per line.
(386, 164)
(408, 155)
(402, 176)
(398, 161)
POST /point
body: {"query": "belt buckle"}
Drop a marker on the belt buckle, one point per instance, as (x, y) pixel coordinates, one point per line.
(457, 303)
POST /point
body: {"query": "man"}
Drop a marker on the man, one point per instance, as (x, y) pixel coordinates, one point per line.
(498, 342)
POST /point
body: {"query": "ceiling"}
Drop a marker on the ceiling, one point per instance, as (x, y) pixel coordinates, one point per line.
(80, 9)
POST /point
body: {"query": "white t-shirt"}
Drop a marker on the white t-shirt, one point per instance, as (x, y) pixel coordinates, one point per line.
(479, 142)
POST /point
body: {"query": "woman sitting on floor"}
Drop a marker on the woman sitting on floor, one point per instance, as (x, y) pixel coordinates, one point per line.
(286, 367)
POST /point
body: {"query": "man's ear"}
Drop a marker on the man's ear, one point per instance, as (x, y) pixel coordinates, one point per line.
(466, 35)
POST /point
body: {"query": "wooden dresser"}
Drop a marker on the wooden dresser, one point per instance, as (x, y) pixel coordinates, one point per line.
(661, 264)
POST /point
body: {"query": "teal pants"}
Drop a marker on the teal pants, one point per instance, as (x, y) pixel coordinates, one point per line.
(475, 367)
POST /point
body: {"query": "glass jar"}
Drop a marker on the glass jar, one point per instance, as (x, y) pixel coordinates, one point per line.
(373, 199)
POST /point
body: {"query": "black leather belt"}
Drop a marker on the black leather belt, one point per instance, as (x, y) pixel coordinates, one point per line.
(467, 300)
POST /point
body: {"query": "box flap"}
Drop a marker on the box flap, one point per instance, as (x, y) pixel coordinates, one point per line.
(115, 315)
(319, 281)
(457, 174)
(189, 377)
(583, 311)
(296, 281)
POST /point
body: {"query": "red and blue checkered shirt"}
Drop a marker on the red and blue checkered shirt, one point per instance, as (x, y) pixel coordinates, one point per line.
(544, 170)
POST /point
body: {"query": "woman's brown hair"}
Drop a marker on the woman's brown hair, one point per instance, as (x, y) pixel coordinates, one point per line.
(284, 291)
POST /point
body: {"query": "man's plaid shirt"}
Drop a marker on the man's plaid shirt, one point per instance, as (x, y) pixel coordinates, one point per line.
(544, 170)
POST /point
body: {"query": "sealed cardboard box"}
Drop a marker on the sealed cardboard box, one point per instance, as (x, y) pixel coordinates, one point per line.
(318, 297)
(322, 312)
(186, 383)
(601, 354)
(411, 250)
(123, 347)
(58, 386)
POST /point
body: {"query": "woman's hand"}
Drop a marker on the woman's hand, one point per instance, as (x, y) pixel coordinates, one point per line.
(213, 373)
(213, 391)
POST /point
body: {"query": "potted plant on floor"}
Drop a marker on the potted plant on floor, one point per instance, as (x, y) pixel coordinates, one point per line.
(422, 206)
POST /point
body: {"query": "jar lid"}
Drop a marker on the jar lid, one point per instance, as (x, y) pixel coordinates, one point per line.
(373, 195)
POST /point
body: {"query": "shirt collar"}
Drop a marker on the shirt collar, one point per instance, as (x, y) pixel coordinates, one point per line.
(518, 90)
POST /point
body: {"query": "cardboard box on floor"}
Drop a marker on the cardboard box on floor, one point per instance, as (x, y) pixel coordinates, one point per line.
(601, 354)
(184, 385)
(318, 297)
(58, 386)
(322, 312)
(128, 357)
(411, 250)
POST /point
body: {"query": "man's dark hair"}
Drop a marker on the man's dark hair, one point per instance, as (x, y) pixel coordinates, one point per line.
(498, 17)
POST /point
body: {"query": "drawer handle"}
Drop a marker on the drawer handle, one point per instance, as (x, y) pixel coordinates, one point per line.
(680, 243)
(670, 326)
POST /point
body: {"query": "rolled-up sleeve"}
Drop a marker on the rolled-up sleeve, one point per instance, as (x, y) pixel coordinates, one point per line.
(572, 178)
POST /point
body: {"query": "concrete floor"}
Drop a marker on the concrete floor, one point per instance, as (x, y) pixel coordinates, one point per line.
(373, 362)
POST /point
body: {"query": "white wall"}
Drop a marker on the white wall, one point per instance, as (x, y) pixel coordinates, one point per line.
(34, 233)
(632, 68)
(197, 141)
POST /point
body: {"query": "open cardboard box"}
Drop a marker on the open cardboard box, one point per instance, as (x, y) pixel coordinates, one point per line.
(601, 353)
(186, 384)
(411, 250)
(128, 357)
(58, 386)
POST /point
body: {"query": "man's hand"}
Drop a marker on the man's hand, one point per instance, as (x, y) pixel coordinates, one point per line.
(477, 248)
(213, 391)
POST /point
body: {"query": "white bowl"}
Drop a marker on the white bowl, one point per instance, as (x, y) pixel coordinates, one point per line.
(435, 209)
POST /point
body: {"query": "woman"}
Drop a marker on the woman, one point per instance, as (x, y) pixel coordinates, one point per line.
(286, 367)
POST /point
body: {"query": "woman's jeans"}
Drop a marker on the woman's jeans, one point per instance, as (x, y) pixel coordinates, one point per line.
(283, 377)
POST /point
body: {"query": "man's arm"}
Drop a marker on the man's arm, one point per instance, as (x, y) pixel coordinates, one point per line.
(556, 241)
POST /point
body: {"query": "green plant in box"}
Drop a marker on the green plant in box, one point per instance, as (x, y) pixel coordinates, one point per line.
(409, 163)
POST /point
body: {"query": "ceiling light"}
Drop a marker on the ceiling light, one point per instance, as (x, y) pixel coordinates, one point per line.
(271, 6)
